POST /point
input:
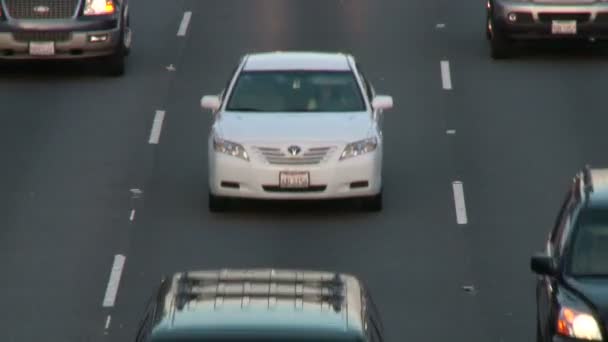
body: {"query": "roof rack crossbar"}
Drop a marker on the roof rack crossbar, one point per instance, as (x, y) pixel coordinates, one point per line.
(212, 290)
(190, 288)
(194, 282)
(307, 296)
(188, 280)
(333, 299)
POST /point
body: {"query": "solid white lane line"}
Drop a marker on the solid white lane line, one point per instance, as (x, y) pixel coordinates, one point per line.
(461, 210)
(112, 288)
(183, 26)
(108, 322)
(132, 216)
(446, 79)
(157, 126)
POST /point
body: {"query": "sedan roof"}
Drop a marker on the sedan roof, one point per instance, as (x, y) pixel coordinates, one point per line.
(294, 60)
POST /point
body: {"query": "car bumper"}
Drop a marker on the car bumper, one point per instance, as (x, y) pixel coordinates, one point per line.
(71, 38)
(332, 179)
(559, 338)
(534, 20)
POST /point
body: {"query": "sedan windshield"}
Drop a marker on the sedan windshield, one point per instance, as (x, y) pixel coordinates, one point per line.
(590, 248)
(296, 91)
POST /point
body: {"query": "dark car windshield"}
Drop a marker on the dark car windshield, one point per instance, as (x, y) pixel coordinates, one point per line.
(590, 246)
(296, 91)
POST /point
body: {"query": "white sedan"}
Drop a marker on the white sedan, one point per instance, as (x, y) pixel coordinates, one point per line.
(296, 125)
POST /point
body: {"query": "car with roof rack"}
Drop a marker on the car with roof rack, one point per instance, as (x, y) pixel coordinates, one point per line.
(296, 125)
(572, 272)
(66, 29)
(509, 21)
(272, 305)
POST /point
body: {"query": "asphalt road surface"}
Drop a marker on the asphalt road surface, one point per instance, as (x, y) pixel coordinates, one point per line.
(82, 182)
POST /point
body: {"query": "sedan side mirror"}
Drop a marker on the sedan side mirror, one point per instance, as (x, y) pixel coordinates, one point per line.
(543, 264)
(211, 102)
(381, 102)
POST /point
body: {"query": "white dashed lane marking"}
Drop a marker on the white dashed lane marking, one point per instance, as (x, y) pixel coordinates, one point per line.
(115, 274)
(446, 79)
(132, 215)
(108, 320)
(459, 204)
(183, 26)
(157, 126)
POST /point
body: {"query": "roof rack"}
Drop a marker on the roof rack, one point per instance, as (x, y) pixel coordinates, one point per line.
(192, 287)
(587, 179)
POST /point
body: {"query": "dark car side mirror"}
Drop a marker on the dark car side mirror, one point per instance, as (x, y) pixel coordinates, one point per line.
(543, 264)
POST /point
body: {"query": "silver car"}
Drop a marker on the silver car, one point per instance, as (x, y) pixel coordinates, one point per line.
(66, 29)
(510, 20)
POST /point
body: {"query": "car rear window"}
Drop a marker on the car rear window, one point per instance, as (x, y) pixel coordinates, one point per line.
(296, 91)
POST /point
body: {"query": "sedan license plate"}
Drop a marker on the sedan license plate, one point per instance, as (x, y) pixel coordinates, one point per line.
(294, 179)
(42, 48)
(563, 27)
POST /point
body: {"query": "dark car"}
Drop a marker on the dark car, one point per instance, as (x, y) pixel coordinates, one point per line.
(572, 286)
(66, 29)
(511, 20)
(260, 305)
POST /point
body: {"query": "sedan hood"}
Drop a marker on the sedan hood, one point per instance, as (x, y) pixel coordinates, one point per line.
(247, 127)
(596, 291)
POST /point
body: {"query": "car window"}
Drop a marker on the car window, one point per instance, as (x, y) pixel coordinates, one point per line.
(144, 327)
(296, 91)
(560, 221)
(565, 232)
(375, 331)
(232, 74)
(369, 89)
(589, 252)
(153, 312)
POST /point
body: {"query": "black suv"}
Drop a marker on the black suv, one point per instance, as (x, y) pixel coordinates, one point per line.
(572, 286)
(66, 29)
(261, 305)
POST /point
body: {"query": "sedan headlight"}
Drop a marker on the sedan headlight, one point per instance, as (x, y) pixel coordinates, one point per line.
(360, 147)
(99, 7)
(230, 148)
(578, 324)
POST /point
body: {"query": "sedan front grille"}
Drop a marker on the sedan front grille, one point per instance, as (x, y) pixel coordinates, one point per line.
(41, 36)
(41, 9)
(313, 155)
(548, 17)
